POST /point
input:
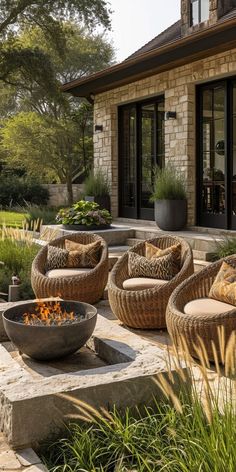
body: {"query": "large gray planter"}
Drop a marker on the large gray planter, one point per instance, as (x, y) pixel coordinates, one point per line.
(171, 215)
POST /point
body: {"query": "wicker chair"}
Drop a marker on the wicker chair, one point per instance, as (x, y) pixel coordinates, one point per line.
(87, 287)
(146, 308)
(204, 326)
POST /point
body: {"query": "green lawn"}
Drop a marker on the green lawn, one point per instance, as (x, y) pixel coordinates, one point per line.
(12, 218)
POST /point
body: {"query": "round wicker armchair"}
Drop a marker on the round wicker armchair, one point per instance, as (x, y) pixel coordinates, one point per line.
(204, 326)
(146, 308)
(86, 286)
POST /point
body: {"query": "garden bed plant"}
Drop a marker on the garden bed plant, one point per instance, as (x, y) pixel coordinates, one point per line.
(17, 251)
(192, 431)
(84, 215)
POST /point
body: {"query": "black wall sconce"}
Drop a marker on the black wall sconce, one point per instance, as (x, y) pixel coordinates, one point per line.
(170, 115)
(98, 128)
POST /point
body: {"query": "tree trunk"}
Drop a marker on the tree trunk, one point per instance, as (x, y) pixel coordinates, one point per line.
(70, 197)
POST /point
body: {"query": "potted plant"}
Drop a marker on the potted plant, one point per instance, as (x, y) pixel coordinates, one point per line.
(169, 195)
(97, 189)
(84, 216)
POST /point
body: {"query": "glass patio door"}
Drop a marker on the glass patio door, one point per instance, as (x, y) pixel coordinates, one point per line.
(232, 135)
(141, 147)
(217, 155)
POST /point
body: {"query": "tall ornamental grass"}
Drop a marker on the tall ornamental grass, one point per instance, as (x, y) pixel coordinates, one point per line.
(168, 184)
(17, 251)
(97, 184)
(193, 431)
(225, 248)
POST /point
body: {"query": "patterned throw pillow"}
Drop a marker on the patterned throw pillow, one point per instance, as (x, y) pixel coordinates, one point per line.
(224, 286)
(83, 255)
(56, 258)
(154, 252)
(161, 268)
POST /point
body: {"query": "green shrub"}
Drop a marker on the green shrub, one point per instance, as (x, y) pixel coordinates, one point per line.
(19, 191)
(168, 185)
(84, 213)
(17, 257)
(97, 184)
(225, 248)
(161, 439)
(40, 215)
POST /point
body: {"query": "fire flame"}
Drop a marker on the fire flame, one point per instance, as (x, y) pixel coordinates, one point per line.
(47, 314)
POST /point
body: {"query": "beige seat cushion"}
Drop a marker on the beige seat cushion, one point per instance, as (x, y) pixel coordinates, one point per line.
(207, 306)
(142, 283)
(53, 274)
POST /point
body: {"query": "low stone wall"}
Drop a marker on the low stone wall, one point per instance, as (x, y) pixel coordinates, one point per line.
(58, 193)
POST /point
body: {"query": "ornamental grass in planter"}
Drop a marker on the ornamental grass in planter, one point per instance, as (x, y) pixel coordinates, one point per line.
(97, 189)
(169, 196)
(84, 216)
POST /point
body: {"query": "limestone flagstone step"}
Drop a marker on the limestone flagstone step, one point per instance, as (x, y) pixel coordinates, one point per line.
(25, 460)
(115, 252)
(199, 265)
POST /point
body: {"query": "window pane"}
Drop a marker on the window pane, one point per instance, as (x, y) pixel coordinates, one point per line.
(234, 152)
(219, 103)
(204, 10)
(128, 156)
(207, 104)
(148, 153)
(195, 12)
(213, 155)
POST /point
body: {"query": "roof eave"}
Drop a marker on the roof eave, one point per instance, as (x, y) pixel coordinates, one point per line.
(219, 37)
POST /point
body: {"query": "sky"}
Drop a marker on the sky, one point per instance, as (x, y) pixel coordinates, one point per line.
(135, 22)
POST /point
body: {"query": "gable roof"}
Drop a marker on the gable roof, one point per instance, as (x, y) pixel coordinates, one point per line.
(230, 14)
(170, 34)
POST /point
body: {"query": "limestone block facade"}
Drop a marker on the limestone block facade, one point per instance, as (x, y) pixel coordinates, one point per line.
(179, 89)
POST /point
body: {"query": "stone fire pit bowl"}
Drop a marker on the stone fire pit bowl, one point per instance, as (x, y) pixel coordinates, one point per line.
(50, 342)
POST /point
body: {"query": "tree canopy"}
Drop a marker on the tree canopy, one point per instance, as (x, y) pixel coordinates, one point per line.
(47, 132)
(48, 16)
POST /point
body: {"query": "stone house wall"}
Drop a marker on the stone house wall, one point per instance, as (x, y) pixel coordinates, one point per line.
(178, 87)
(58, 194)
(217, 8)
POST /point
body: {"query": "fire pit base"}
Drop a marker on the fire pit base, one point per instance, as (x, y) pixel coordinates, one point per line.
(42, 342)
(32, 408)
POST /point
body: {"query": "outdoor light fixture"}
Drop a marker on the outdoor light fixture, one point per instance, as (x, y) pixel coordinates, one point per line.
(170, 115)
(98, 128)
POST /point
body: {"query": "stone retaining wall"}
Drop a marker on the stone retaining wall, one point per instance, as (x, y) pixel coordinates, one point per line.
(58, 193)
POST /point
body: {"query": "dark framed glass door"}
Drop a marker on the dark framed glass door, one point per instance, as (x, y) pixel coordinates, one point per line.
(141, 147)
(232, 150)
(216, 154)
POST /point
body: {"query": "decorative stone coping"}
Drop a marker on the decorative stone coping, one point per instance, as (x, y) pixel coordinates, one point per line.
(31, 408)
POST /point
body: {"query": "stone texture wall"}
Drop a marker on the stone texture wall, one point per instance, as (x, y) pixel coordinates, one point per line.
(214, 6)
(58, 193)
(178, 87)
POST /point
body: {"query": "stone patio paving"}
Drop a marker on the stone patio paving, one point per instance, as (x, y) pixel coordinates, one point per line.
(21, 461)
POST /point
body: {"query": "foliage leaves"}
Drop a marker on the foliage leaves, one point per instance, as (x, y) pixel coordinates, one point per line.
(49, 133)
(168, 185)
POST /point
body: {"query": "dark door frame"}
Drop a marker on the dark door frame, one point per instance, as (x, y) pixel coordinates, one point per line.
(136, 212)
(228, 220)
